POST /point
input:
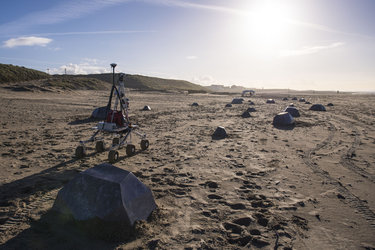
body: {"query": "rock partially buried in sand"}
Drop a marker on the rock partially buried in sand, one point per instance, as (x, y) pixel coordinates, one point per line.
(302, 99)
(219, 133)
(228, 105)
(317, 107)
(294, 98)
(251, 110)
(237, 101)
(283, 119)
(99, 113)
(330, 104)
(285, 99)
(293, 111)
(107, 193)
(251, 103)
(270, 101)
(194, 104)
(246, 114)
(146, 108)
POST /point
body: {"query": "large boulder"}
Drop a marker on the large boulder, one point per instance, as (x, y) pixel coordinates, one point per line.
(237, 101)
(220, 133)
(107, 193)
(99, 113)
(317, 107)
(283, 119)
(293, 111)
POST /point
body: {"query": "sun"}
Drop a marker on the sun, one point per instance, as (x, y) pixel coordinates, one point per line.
(267, 23)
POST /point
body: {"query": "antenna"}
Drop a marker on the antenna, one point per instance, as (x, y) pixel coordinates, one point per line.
(113, 65)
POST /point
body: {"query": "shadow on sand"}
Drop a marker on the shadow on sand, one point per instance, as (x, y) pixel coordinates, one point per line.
(55, 231)
(46, 180)
(83, 121)
(289, 127)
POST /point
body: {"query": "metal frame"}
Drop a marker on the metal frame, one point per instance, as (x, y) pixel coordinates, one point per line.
(123, 133)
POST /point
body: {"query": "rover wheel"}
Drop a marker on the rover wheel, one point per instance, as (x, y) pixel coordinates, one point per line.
(80, 152)
(113, 156)
(145, 144)
(130, 150)
(99, 146)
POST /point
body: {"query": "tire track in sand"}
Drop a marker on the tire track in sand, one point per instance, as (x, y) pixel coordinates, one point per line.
(21, 214)
(346, 157)
(359, 205)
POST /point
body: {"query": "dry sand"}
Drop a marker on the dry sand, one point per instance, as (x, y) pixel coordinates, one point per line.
(308, 187)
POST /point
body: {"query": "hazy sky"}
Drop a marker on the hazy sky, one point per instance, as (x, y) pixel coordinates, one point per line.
(297, 44)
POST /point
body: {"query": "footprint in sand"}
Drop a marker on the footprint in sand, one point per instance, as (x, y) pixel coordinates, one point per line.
(244, 221)
(233, 228)
(214, 197)
(237, 206)
(211, 184)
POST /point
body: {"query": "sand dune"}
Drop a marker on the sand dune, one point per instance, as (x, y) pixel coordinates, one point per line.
(310, 186)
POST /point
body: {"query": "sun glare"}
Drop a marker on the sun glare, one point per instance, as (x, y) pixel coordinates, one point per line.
(267, 24)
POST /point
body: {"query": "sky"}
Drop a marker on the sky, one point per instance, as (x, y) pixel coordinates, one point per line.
(295, 44)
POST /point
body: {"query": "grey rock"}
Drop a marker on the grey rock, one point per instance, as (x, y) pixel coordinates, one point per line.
(293, 111)
(219, 133)
(283, 119)
(107, 193)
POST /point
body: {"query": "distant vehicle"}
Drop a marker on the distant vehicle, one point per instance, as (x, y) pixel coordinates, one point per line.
(248, 92)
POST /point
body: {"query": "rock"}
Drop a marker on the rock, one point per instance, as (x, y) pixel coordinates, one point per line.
(146, 108)
(246, 114)
(237, 101)
(107, 193)
(293, 111)
(317, 107)
(251, 110)
(283, 119)
(99, 113)
(270, 101)
(228, 105)
(219, 133)
(194, 104)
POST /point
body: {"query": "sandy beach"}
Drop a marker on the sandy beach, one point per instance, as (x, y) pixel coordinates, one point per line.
(310, 186)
